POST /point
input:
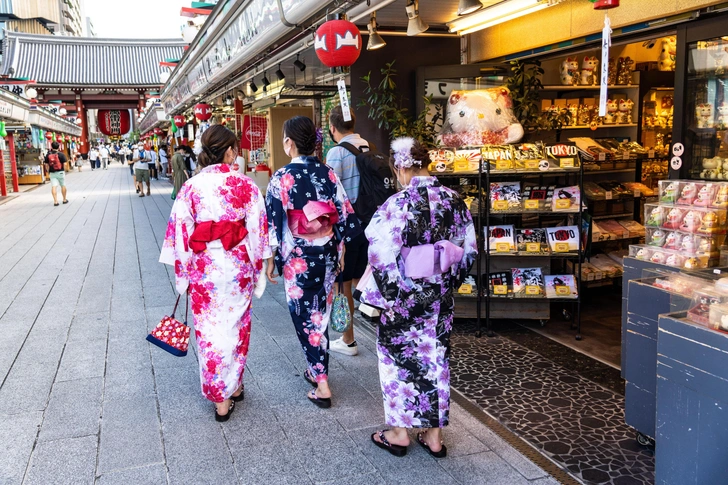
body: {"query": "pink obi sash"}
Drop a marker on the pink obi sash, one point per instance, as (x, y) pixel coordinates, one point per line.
(230, 233)
(430, 259)
(314, 221)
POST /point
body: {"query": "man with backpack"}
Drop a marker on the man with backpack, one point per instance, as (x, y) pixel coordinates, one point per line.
(55, 163)
(368, 182)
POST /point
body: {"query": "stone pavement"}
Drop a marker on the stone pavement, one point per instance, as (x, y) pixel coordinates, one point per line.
(85, 399)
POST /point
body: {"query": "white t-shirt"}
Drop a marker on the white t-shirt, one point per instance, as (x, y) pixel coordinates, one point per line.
(104, 152)
(143, 163)
(93, 155)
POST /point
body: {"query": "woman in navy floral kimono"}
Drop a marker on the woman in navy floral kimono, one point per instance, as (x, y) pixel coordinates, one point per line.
(311, 218)
(421, 247)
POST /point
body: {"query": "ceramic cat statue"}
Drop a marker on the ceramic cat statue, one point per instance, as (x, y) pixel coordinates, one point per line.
(589, 75)
(570, 71)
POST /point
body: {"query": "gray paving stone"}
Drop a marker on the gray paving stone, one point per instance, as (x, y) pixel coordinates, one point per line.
(67, 461)
(90, 326)
(26, 380)
(127, 354)
(82, 359)
(207, 471)
(146, 475)
(270, 463)
(130, 434)
(74, 410)
(482, 468)
(367, 479)
(125, 383)
(17, 435)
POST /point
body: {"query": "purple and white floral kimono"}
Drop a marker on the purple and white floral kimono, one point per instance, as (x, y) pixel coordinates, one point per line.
(414, 332)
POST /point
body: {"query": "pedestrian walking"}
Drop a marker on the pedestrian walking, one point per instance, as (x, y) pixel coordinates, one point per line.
(55, 163)
(179, 170)
(343, 161)
(422, 246)
(141, 171)
(83, 158)
(164, 161)
(152, 155)
(129, 156)
(93, 156)
(218, 235)
(77, 161)
(104, 155)
(310, 252)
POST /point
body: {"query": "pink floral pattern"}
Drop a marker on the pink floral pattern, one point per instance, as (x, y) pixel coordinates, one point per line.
(221, 311)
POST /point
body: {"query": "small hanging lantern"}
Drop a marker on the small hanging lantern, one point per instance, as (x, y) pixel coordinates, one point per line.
(338, 43)
(605, 4)
(180, 121)
(59, 138)
(203, 111)
(3, 131)
(157, 131)
(49, 135)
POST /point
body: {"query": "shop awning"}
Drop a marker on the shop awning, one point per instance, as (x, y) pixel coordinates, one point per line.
(54, 60)
(51, 122)
(154, 118)
(13, 108)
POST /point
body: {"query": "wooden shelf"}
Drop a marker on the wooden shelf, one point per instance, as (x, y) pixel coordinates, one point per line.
(613, 216)
(560, 87)
(600, 127)
(621, 170)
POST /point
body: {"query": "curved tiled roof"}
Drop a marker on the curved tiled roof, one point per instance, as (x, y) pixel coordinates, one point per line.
(53, 60)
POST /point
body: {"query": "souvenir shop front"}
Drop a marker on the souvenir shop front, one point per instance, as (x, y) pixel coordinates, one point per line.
(13, 110)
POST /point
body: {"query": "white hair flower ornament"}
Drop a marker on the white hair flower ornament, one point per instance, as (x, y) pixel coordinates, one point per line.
(402, 149)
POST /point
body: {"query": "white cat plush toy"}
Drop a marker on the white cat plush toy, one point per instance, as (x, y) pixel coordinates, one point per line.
(668, 54)
(570, 71)
(589, 74)
(723, 118)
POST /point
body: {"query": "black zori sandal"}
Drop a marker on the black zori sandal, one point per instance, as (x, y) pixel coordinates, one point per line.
(309, 379)
(437, 454)
(240, 396)
(222, 418)
(322, 402)
(396, 450)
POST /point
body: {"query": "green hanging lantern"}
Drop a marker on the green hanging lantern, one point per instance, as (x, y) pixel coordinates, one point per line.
(174, 128)
(3, 131)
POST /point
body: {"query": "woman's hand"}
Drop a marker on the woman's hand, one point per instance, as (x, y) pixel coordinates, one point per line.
(341, 259)
(270, 271)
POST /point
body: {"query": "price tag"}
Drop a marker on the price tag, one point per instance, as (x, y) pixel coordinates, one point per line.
(502, 248)
(500, 289)
(465, 289)
(563, 203)
(503, 165)
(602, 157)
(533, 290)
(650, 153)
(562, 290)
(716, 271)
(637, 193)
(531, 204)
(566, 163)
(533, 247)
(561, 247)
(531, 164)
(625, 155)
(608, 195)
(500, 205)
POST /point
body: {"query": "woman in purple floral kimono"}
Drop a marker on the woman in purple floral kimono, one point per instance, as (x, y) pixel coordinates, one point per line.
(421, 247)
(311, 218)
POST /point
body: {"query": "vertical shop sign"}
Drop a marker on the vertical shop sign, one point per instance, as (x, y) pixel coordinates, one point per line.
(606, 44)
(346, 111)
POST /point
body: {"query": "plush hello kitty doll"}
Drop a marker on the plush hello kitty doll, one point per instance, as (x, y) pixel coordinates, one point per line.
(570, 71)
(612, 108)
(589, 71)
(704, 114)
(625, 111)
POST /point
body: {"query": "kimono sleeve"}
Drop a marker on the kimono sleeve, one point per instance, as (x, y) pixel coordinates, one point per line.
(464, 237)
(256, 222)
(277, 218)
(348, 227)
(175, 250)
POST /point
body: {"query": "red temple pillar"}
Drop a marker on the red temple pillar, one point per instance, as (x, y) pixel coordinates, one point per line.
(81, 113)
(13, 162)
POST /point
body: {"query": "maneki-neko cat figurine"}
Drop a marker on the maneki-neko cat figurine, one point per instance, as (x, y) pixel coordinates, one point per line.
(688, 244)
(721, 198)
(658, 238)
(656, 219)
(589, 76)
(688, 194)
(710, 223)
(671, 241)
(668, 195)
(624, 70)
(673, 219)
(691, 221)
(703, 198)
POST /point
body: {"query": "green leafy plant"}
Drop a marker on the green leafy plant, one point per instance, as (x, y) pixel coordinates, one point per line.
(555, 119)
(524, 85)
(385, 107)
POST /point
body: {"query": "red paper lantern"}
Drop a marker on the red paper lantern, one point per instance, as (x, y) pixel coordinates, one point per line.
(203, 111)
(68, 137)
(157, 131)
(179, 121)
(114, 122)
(338, 43)
(59, 138)
(49, 135)
(605, 4)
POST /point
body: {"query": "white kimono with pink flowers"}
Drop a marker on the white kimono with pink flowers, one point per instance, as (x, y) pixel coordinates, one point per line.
(220, 281)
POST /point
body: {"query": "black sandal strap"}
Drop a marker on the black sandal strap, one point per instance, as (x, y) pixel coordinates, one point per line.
(383, 439)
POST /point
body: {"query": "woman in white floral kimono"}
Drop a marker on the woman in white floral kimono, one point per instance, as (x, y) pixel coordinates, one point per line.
(217, 239)
(421, 247)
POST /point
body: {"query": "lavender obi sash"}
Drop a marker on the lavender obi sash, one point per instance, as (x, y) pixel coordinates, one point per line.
(430, 259)
(315, 220)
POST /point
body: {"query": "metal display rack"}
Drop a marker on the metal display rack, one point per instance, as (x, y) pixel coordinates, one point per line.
(520, 308)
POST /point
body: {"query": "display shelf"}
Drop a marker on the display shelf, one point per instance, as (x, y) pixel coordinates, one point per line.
(603, 172)
(506, 173)
(600, 127)
(619, 239)
(602, 282)
(559, 87)
(613, 216)
(525, 212)
(535, 255)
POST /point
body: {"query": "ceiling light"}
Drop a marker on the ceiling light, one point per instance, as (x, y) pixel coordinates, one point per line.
(469, 6)
(279, 74)
(375, 40)
(253, 86)
(299, 64)
(495, 15)
(266, 83)
(229, 100)
(415, 25)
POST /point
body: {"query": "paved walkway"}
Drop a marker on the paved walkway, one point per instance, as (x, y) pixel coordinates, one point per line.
(85, 399)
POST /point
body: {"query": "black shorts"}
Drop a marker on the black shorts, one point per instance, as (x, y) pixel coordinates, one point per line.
(356, 258)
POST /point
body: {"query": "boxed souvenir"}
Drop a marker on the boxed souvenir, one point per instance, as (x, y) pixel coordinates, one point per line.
(502, 239)
(563, 239)
(720, 197)
(657, 237)
(498, 157)
(566, 155)
(687, 192)
(601, 234)
(718, 317)
(616, 189)
(469, 287)
(566, 199)
(609, 267)
(593, 191)
(677, 218)
(703, 300)
(528, 283)
(589, 272)
(639, 189)
(505, 196)
(668, 191)
(615, 228)
(654, 215)
(635, 228)
(706, 193)
(560, 286)
(466, 160)
(500, 284)
(532, 241)
(538, 197)
(618, 256)
(441, 161)
(528, 156)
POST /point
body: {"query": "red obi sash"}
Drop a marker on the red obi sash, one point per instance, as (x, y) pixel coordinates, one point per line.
(315, 220)
(230, 233)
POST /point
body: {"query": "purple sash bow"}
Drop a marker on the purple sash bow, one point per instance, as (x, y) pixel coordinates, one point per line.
(430, 259)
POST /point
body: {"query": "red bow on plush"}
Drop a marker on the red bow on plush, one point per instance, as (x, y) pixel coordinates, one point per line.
(230, 233)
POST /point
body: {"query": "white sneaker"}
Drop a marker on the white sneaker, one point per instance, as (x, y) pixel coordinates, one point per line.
(340, 347)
